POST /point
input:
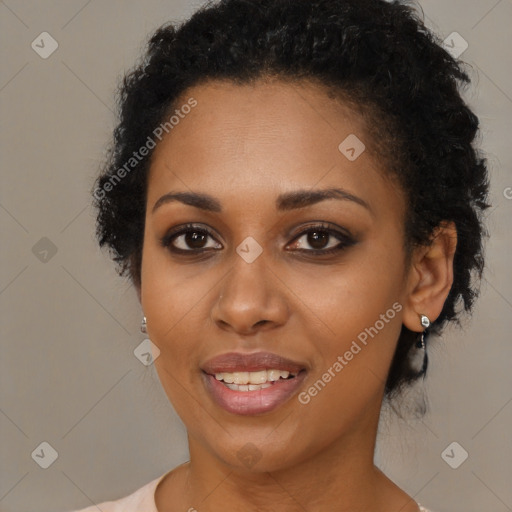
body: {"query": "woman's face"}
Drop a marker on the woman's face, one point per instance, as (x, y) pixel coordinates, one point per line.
(271, 275)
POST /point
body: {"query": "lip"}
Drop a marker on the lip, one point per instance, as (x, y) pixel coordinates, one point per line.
(239, 362)
(251, 402)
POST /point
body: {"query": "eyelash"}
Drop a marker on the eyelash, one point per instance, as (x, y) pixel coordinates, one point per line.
(346, 240)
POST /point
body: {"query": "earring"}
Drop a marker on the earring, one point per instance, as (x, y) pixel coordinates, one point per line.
(143, 325)
(425, 322)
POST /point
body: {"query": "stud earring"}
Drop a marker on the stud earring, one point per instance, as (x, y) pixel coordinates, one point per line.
(143, 325)
(425, 323)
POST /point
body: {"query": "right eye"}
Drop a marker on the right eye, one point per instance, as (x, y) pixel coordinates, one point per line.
(189, 239)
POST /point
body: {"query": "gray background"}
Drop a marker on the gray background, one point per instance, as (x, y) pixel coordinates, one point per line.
(68, 374)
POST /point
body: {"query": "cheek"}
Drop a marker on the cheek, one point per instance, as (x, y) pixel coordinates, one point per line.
(172, 303)
(172, 294)
(356, 316)
(347, 298)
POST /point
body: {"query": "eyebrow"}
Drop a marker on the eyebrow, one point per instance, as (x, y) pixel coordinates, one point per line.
(196, 199)
(304, 198)
(285, 202)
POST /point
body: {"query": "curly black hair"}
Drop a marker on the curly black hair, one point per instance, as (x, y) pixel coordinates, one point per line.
(376, 55)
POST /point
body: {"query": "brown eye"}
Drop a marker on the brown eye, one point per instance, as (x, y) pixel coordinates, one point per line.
(190, 239)
(195, 239)
(322, 240)
(318, 239)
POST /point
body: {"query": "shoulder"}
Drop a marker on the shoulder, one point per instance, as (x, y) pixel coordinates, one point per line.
(143, 497)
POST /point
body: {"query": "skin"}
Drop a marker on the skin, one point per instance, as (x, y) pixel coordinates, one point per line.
(246, 145)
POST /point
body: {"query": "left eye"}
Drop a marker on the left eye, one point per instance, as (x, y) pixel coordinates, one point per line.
(321, 240)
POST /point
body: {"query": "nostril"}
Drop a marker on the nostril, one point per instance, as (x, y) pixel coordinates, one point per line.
(260, 323)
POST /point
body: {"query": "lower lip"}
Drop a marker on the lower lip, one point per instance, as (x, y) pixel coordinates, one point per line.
(252, 402)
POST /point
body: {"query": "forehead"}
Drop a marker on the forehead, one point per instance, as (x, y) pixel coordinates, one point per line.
(256, 141)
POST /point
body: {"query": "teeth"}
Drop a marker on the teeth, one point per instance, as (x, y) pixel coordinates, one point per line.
(274, 375)
(257, 377)
(248, 387)
(240, 377)
(252, 378)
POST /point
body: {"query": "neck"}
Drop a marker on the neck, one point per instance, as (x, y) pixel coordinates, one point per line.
(342, 474)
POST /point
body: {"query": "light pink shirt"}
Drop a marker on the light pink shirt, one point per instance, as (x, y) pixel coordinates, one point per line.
(142, 500)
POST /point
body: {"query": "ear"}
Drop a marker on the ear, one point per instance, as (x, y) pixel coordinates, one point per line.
(430, 277)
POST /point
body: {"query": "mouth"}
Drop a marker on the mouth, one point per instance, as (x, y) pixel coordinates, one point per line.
(253, 381)
(247, 384)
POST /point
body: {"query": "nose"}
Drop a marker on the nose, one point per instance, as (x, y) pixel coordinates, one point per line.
(252, 298)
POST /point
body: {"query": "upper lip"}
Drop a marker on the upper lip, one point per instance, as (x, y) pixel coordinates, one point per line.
(240, 362)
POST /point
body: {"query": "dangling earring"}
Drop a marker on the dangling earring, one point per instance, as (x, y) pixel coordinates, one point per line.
(425, 322)
(143, 325)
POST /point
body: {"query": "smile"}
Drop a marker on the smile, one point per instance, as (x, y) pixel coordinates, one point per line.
(248, 384)
(252, 381)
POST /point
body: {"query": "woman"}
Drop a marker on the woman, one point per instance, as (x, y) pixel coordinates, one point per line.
(294, 192)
